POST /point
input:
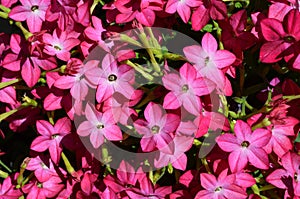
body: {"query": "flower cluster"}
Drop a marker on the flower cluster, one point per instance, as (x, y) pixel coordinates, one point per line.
(149, 99)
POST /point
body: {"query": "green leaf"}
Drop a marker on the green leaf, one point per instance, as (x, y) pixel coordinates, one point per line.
(207, 28)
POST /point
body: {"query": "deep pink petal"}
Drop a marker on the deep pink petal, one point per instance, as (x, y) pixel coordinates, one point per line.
(272, 29)
(44, 128)
(258, 158)
(228, 142)
(237, 160)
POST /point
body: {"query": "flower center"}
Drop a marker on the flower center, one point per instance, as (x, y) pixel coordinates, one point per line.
(112, 78)
(185, 88)
(289, 39)
(155, 129)
(39, 185)
(245, 144)
(34, 8)
(54, 136)
(206, 60)
(296, 177)
(100, 126)
(57, 47)
(218, 189)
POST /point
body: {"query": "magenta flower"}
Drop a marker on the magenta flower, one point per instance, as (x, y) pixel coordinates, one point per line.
(8, 191)
(183, 8)
(147, 190)
(99, 126)
(209, 61)
(141, 10)
(246, 146)
(291, 170)
(126, 177)
(214, 9)
(33, 11)
(51, 137)
(221, 188)
(157, 130)
(95, 33)
(186, 89)
(280, 143)
(60, 43)
(281, 37)
(114, 78)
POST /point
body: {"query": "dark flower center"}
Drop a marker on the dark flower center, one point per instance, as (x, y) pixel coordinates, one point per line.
(296, 177)
(218, 189)
(100, 126)
(289, 39)
(245, 144)
(185, 88)
(155, 129)
(206, 60)
(34, 8)
(112, 78)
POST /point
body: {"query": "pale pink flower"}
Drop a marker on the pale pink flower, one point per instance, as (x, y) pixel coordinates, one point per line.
(210, 62)
(99, 126)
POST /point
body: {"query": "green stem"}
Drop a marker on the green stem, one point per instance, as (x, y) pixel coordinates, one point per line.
(267, 187)
(291, 97)
(3, 15)
(139, 69)
(11, 82)
(68, 165)
(142, 36)
(225, 105)
(5, 167)
(5, 9)
(3, 174)
(26, 33)
(204, 162)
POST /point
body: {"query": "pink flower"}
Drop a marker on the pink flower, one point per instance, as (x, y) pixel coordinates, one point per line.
(157, 130)
(41, 171)
(99, 126)
(51, 137)
(114, 78)
(43, 190)
(209, 61)
(33, 11)
(60, 43)
(182, 141)
(186, 89)
(246, 146)
(221, 188)
(183, 8)
(289, 176)
(79, 78)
